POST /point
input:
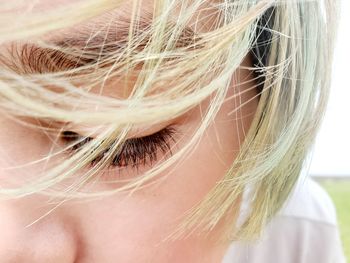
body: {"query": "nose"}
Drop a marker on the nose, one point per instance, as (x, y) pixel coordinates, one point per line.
(50, 239)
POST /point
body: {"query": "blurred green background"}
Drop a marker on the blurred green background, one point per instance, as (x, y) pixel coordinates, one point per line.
(339, 190)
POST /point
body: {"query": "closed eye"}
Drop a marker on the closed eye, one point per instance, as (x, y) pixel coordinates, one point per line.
(133, 152)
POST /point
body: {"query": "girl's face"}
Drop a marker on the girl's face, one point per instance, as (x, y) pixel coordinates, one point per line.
(122, 228)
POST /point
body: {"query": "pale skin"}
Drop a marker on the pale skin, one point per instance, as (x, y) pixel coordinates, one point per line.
(122, 228)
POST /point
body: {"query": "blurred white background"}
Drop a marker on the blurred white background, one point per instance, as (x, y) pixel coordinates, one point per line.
(332, 151)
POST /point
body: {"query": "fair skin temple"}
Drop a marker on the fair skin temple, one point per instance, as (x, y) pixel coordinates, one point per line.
(122, 228)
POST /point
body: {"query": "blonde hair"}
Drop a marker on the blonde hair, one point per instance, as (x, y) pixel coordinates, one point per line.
(295, 69)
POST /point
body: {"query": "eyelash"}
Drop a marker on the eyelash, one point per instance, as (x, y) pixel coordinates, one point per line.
(134, 151)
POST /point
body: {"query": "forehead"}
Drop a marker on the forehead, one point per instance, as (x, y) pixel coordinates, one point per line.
(118, 18)
(200, 20)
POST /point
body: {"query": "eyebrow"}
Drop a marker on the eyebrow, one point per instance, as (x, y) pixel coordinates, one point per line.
(31, 58)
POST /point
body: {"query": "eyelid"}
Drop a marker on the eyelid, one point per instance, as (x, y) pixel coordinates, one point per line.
(133, 152)
(135, 132)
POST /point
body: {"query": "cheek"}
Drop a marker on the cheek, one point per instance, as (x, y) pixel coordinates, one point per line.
(133, 228)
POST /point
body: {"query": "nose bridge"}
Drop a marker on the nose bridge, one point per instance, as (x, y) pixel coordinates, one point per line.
(52, 238)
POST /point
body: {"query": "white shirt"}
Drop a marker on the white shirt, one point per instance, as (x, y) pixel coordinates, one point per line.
(304, 231)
